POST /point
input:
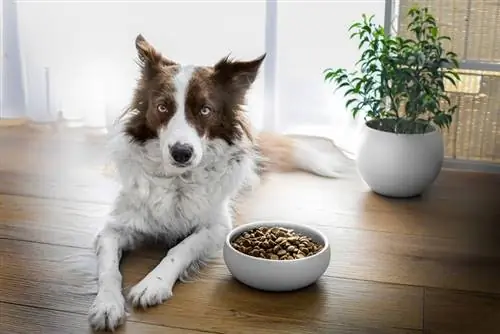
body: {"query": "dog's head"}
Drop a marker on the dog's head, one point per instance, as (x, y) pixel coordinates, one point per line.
(186, 106)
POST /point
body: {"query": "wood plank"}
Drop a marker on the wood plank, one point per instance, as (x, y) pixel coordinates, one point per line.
(414, 260)
(51, 221)
(50, 131)
(51, 152)
(66, 186)
(452, 312)
(65, 166)
(18, 319)
(13, 122)
(63, 279)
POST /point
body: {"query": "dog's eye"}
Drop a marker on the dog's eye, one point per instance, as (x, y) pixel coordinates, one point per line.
(205, 110)
(162, 108)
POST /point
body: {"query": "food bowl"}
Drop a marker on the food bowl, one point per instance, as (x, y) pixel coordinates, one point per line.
(277, 275)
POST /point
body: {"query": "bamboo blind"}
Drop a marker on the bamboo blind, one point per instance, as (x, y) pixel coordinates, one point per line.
(474, 26)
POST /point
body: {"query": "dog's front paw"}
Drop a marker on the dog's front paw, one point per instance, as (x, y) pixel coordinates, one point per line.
(107, 311)
(152, 290)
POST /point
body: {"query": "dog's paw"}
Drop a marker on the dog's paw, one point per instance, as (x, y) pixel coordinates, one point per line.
(107, 311)
(152, 290)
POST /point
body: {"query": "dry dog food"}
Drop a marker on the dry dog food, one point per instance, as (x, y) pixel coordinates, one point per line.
(275, 243)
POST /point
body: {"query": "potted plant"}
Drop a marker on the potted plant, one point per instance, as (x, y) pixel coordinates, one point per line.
(400, 87)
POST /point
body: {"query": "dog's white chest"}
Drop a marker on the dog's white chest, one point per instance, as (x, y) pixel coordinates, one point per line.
(178, 202)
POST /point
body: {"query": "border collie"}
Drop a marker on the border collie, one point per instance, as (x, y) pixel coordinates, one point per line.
(184, 151)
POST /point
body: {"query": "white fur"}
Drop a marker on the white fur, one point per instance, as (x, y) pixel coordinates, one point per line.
(178, 129)
(194, 206)
(311, 160)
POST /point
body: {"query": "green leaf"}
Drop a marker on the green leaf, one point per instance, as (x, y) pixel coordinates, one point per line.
(451, 79)
(440, 83)
(354, 25)
(363, 42)
(350, 92)
(344, 84)
(358, 86)
(453, 109)
(349, 102)
(329, 76)
(446, 98)
(342, 77)
(444, 62)
(442, 119)
(434, 31)
(355, 111)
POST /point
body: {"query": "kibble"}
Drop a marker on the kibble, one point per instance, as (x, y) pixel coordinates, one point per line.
(276, 243)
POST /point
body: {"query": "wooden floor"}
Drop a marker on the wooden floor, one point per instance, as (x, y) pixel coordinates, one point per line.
(426, 265)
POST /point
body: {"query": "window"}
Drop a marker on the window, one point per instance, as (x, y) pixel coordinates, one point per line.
(474, 26)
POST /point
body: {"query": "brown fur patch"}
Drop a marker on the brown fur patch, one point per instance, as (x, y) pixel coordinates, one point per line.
(149, 94)
(227, 120)
(154, 87)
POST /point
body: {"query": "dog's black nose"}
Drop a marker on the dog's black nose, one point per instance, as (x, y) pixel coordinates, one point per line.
(181, 153)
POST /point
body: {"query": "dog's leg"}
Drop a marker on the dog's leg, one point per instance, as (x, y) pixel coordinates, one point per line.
(108, 309)
(157, 286)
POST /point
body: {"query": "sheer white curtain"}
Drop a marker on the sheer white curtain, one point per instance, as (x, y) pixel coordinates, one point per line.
(78, 56)
(313, 36)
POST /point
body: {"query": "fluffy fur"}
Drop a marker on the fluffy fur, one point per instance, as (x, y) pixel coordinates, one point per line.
(188, 206)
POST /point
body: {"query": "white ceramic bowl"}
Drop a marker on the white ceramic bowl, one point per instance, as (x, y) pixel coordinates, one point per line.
(277, 275)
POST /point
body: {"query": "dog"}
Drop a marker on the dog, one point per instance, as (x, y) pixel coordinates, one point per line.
(184, 151)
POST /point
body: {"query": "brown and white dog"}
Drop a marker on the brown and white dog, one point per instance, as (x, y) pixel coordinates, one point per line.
(184, 151)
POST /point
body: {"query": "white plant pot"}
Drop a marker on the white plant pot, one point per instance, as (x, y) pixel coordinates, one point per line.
(399, 165)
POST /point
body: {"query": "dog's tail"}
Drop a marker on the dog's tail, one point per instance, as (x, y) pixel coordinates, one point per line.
(283, 154)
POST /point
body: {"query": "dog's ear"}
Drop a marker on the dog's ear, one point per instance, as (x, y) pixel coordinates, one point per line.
(151, 60)
(239, 74)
